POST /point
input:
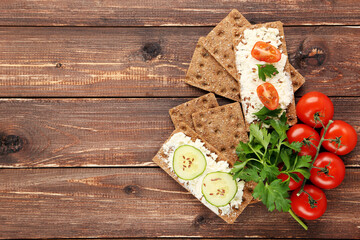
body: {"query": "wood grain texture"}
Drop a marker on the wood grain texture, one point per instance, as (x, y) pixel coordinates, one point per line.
(173, 12)
(103, 132)
(90, 62)
(146, 202)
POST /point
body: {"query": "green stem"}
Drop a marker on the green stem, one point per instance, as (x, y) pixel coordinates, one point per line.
(322, 139)
(255, 152)
(298, 219)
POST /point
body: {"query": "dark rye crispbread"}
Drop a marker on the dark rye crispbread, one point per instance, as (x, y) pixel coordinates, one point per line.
(182, 113)
(206, 73)
(223, 127)
(238, 36)
(160, 157)
(219, 41)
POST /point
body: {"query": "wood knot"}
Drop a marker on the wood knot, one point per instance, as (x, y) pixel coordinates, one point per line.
(131, 189)
(199, 220)
(10, 144)
(151, 50)
(58, 65)
(311, 53)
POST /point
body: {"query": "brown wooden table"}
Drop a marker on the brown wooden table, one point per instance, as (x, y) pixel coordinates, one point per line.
(85, 91)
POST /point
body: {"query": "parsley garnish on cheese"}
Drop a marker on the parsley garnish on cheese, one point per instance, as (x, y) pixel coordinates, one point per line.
(266, 70)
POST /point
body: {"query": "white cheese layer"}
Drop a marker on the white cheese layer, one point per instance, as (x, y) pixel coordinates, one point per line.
(249, 80)
(194, 186)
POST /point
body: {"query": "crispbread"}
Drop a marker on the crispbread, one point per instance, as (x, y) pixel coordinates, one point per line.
(198, 74)
(296, 78)
(219, 41)
(160, 157)
(182, 113)
(237, 37)
(206, 73)
(223, 127)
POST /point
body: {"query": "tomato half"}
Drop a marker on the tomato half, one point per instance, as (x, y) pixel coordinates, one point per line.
(311, 204)
(266, 52)
(298, 132)
(315, 103)
(345, 133)
(268, 95)
(332, 171)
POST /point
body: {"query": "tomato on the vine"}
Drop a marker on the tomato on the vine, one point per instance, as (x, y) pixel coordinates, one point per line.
(298, 132)
(266, 52)
(311, 204)
(315, 104)
(344, 138)
(328, 171)
(268, 95)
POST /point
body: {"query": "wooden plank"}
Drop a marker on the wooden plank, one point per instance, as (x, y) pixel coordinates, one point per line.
(103, 132)
(146, 202)
(38, 62)
(173, 12)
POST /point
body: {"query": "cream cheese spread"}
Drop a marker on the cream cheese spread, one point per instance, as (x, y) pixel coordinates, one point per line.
(194, 186)
(249, 80)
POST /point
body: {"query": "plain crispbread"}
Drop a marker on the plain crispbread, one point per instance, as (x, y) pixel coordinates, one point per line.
(237, 37)
(206, 73)
(223, 127)
(219, 41)
(161, 155)
(182, 113)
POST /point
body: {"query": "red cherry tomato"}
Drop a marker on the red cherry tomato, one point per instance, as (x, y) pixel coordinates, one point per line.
(315, 103)
(268, 95)
(298, 132)
(346, 135)
(292, 183)
(332, 171)
(266, 52)
(311, 204)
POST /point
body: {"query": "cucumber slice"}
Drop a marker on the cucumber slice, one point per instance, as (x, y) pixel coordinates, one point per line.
(189, 162)
(219, 188)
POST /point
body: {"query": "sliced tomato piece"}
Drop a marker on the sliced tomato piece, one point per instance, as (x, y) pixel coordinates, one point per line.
(266, 52)
(268, 95)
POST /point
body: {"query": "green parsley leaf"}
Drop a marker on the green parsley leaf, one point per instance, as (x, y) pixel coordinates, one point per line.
(260, 134)
(265, 114)
(266, 70)
(250, 174)
(296, 146)
(274, 195)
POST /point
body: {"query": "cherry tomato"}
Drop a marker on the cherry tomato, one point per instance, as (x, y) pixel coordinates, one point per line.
(268, 95)
(314, 103)
(311, 204)
(344, 133)
(266, 52)
(298, 132)
(332, 171)
(292, 183)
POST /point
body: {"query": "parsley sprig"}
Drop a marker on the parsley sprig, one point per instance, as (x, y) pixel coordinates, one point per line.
(259, 159)
(266, 70)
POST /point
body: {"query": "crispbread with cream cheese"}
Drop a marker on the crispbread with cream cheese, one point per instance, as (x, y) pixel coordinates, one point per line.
(206, 73)
(223, 127)
(219, 41)
(238, 36)
(160, 157)
(182, 113)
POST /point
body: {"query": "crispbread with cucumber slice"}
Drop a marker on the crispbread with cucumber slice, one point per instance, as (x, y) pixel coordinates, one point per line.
(160, 157)
(238, 36)
(182, 113)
